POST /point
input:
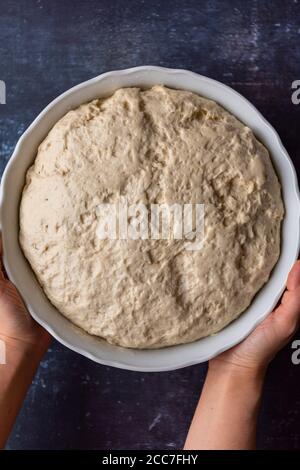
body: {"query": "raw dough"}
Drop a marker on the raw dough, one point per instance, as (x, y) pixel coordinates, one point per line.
(154, 146)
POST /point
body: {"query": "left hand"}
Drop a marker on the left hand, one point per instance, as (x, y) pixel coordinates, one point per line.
(17, 327)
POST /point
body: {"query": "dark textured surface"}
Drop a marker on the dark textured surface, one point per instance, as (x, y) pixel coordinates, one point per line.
(48, 46)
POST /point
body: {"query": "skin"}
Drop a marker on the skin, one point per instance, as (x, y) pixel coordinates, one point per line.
(232, 389)
(25, 344)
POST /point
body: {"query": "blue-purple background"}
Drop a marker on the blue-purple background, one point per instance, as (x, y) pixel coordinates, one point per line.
(48, 46)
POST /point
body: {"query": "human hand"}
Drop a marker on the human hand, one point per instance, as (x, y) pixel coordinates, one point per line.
(17, 327)
(25, 343)
(233, 386)
(258, 349)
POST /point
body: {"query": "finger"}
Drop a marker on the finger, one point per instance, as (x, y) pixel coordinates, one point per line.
(3, 275)
(294, 277)
(287, 315)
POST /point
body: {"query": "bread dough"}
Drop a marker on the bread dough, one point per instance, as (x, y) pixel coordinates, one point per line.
(155, 146)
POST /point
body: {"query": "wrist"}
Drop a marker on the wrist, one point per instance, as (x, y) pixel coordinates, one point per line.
(17, 348)
(238, 370)
(232, 395)
(21, 360)
(237, 373)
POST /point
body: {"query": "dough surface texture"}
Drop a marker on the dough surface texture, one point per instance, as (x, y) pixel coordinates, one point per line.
(153, 146)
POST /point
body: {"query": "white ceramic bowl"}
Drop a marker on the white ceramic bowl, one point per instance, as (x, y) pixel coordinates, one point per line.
(21, 274)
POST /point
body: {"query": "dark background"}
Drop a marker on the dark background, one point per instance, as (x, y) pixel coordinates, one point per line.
(48, 46)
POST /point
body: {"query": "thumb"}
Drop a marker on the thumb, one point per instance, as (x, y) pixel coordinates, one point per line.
(2, 270)
(294, 277)
(287, 314)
